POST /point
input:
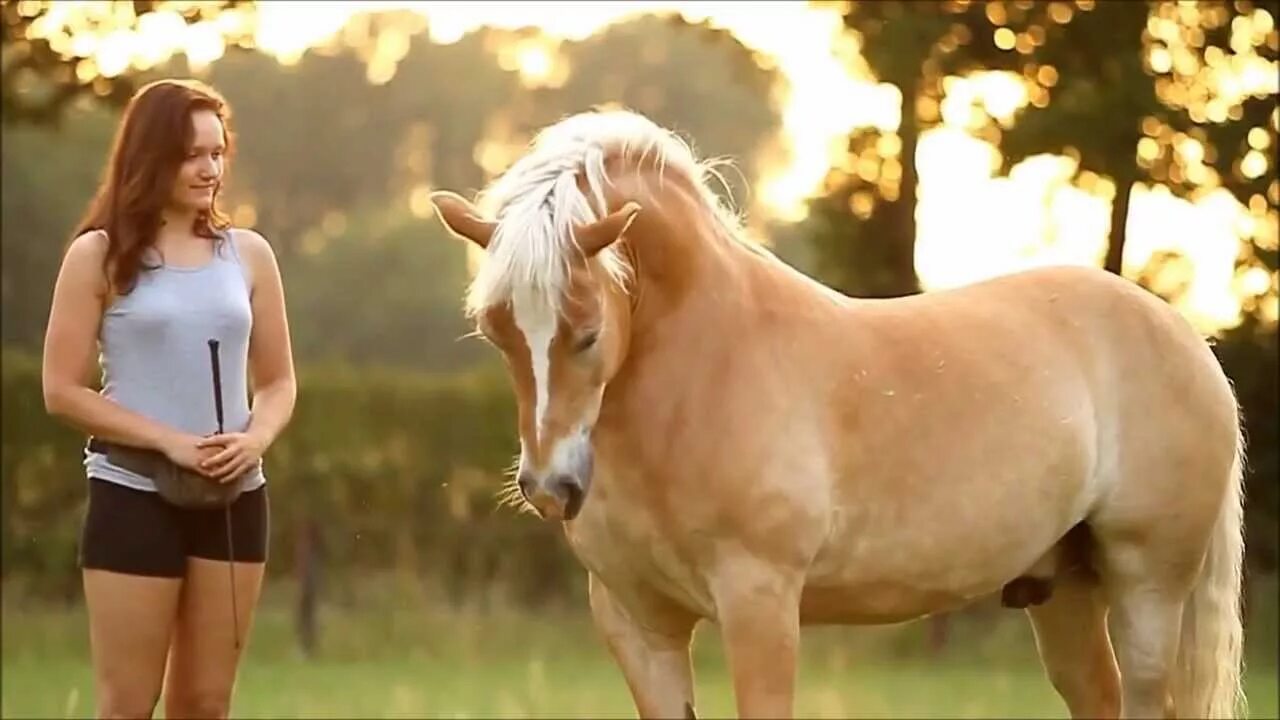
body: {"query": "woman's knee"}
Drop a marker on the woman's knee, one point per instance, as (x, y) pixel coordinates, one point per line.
(198, 703)
(123, 702)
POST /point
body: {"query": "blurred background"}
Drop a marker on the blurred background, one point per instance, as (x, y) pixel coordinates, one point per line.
(885, 148)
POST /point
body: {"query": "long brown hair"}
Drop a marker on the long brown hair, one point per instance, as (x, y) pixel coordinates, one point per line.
(149, 148)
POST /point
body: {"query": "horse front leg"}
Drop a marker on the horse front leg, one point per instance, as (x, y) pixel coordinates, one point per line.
(653, 652)
(758, 607)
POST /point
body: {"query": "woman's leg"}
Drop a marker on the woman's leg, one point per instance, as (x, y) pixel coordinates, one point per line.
(208, 642)
(132, 569)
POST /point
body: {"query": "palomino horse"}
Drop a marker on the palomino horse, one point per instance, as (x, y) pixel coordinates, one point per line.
(724, 438)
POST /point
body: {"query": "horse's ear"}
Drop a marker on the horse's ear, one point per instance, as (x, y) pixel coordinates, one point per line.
(461, 218)
(604, 232)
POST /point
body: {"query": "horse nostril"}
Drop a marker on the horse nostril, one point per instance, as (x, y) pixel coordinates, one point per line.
(574, 503)
(569, 491)
(525, 483)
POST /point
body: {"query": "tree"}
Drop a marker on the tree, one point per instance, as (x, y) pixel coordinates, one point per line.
(44, 69)
(687, 77)
(1153, 108)
(865, 226)
(318, 138)
(384, 290)
(1087, 65)
(1097, 87)
(47, 180)
(333, 168)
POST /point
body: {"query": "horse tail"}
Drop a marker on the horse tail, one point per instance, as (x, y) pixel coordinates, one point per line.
(1206, 681)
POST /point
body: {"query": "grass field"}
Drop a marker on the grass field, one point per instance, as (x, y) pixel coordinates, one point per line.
(383, 657)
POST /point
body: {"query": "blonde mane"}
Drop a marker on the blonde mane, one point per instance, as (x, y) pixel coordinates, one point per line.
(537, 201)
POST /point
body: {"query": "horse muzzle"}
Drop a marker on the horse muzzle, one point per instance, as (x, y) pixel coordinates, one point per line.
(557, 486)
(560, 497)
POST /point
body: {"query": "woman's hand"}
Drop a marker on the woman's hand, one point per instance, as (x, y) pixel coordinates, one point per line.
(189, 451)
(239, 453)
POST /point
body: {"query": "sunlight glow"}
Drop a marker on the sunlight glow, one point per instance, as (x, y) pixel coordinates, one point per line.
(1204, 234)
(972, 224)
(966, 232)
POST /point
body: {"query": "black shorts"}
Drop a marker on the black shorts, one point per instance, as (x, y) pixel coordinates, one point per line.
(138, 533)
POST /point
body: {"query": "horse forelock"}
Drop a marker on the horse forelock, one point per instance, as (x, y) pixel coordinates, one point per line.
(539, 199)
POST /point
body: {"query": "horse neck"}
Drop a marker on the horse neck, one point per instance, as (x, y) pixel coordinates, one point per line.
(677, 247)
(698, 295)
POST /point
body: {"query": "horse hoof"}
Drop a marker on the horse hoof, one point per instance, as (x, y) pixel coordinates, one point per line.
(1025, 592)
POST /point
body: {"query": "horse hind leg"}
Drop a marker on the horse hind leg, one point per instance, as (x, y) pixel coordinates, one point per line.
(1155, 570)
(1146, 622)
(1070, 629)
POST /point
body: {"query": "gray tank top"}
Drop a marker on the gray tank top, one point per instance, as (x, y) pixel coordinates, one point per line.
(154, 352)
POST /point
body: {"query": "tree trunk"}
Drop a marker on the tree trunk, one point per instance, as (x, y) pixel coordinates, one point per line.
(307, 570)
(896, 255)
(1119, 218)
(902, 257)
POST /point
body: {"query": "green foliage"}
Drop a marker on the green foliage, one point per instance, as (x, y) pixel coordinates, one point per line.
(646, 65)
(387, 290)
(869, 258)
(47, 180)
(399, 472)
(1106, 91)
(39, 83)
(1249, 356)
(327, 165)
(1095, 95)
(317, 139)
(372, 144)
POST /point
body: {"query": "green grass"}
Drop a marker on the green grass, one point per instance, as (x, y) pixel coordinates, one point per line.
(384, 657)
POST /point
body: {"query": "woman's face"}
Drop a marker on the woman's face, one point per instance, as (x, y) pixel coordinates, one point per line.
(201, 169)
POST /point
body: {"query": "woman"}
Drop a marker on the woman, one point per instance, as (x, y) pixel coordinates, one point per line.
(153, 274)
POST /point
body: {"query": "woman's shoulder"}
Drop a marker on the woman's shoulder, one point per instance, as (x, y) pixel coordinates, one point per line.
(254, 252)
(89, 244)
(248, 240)
(84, 261)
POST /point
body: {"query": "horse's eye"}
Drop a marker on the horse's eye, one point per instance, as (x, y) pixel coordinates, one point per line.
(587, 341)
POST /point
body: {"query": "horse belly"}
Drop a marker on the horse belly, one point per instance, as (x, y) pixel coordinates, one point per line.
(925, 583)
(886, 564)
(872, 603)
(900, 586)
